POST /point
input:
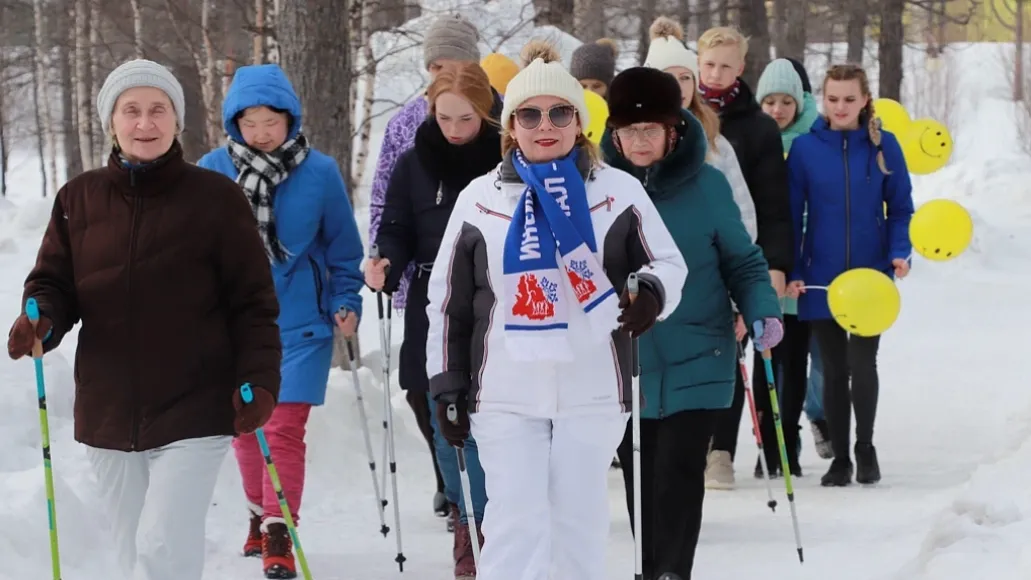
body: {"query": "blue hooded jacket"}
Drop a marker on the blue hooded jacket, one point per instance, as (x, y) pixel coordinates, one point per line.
(314, 222)
(834, 174)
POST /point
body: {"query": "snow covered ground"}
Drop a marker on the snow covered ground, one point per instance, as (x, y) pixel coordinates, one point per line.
(954, 431)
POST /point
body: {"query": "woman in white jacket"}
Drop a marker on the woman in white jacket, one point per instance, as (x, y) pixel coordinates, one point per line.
(668, 53)
(530, 326)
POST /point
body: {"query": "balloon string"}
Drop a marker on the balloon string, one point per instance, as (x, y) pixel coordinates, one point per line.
(824, 288)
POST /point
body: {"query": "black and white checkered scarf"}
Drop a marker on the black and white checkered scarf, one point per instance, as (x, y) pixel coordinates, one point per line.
(260, 173)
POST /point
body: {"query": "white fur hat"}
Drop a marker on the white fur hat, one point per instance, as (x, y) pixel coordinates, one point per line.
(544, 75)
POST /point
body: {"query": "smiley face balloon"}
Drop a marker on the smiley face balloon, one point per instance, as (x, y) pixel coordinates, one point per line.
(598, 111)
(926, 145)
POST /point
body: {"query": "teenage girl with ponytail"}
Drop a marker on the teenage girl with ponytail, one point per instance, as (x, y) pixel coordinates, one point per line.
(843, 172)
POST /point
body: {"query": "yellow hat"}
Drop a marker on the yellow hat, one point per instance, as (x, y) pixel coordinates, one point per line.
(500, 69)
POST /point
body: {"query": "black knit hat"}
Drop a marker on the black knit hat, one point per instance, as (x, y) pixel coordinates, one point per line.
(807, 87)
(644, 95)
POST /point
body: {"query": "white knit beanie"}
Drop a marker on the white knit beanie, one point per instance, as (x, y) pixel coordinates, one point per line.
(139, 73)
(545, 75)
(667, 51)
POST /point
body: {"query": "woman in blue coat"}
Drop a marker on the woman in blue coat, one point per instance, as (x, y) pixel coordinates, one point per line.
(315, 251)
(845, 171)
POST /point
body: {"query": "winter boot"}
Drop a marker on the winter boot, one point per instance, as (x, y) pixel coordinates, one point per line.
(465, 562)
(822, 438)
(615, 463)
(252, 547)
(774, 468)
(277, 552)
(669, 576)
(452, 517)
(867, 468)
(440, 504)
(840, 473)
(719, 471)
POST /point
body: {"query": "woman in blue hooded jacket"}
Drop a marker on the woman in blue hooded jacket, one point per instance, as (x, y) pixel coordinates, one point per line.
(844, 172)
(315, 252)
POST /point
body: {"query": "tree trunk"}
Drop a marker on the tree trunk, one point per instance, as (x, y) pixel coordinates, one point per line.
(314, 40)
(206, 73)
(704, 10)
(796, 12)
(69, 141)
(97, 131)
(856, 31)
(82, 94)
(4, 145)
(1018, 53)
(360, 13)
(557, 13)
(685, 18)
(137, 28)
(646, 12)
(272, 52)
(755, 25)
(258, 46)
(41, 96)
(889, 49)
(590, 20)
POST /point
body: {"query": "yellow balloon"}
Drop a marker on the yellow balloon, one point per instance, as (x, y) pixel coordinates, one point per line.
(864, 301)
(926, 145)
(598, 111)
(892, 114)
(941, 230)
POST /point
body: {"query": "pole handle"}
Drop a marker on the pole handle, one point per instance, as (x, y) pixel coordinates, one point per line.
(246, 393)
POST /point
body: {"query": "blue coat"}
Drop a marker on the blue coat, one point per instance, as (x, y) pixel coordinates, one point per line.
(315, 223)
(834, 174)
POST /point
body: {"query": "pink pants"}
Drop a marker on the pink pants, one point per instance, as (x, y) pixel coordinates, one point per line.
(285, 434)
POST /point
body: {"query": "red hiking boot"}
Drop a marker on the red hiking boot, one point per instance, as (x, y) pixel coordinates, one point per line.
(465, 563)
(277, 555)
(252, 547)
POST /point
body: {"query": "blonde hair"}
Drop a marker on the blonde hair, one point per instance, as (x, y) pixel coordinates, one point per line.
(707, 116)
(468, 80)
(853, 72)
(723, 36)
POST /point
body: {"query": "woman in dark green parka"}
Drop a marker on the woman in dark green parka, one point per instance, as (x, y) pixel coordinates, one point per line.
(687, 360)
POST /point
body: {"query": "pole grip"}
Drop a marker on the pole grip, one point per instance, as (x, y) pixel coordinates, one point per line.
(246, 393)
(633, 286)
(32, 310)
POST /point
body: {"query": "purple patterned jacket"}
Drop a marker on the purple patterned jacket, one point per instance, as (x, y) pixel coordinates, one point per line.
(398, 138)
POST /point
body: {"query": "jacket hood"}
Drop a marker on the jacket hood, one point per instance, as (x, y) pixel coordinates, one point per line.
(822, 130)
(669, 174)
(260, 85)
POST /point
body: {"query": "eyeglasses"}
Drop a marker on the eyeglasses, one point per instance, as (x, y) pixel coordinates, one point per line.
(530, 118)
(633, 133)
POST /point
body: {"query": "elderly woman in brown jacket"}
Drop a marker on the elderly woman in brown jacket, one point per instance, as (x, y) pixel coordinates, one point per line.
(162, 263)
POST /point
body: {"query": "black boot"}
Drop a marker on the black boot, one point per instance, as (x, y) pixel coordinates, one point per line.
(774, 468)
(440, 506)
(867, 468)
(839, 475)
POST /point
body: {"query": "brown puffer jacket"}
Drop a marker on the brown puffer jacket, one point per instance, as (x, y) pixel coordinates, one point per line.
(166, 270)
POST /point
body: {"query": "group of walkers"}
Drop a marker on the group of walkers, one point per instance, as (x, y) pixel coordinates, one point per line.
(507, 238)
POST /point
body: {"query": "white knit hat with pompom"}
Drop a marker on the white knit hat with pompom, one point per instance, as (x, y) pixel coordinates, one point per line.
(544, 75)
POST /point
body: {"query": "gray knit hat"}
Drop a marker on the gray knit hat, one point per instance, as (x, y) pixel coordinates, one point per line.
(780, 77)
(451, 37)
(595, 60)
(139, 73)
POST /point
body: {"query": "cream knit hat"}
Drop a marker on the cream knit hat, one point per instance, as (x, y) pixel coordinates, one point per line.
(544, 75)
(667, 47)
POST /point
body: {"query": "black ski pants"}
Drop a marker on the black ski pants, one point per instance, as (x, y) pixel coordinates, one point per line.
(790, 364)
(849, 381)
(673, 452)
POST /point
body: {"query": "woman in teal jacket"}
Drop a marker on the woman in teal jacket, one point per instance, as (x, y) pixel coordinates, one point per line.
(687, 360)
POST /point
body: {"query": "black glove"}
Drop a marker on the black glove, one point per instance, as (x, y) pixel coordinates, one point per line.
(454, 431)
(639, 316)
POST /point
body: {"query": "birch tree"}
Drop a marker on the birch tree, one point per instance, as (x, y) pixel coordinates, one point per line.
(44, 125)
(206, 70)
(96, 130)
(137, 28)
(82, 93)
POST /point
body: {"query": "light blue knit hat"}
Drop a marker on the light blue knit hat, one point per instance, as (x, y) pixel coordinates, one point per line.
(780, 77)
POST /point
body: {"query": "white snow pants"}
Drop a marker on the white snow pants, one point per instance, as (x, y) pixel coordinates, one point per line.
(157, 502)
(547, 494)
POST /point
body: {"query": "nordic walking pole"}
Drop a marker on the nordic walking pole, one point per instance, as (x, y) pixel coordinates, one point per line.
(775, 407)
(633, 286)
(32, 311)
(380, 502)
(385, 321)
(770, 502)
(452, 415)
(247, 395)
